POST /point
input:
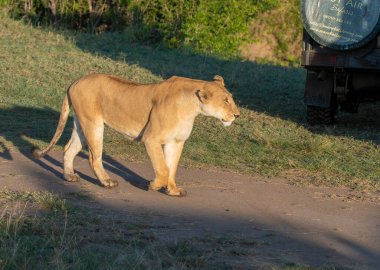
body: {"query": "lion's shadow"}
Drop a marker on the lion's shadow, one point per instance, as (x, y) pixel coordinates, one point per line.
(110, 164)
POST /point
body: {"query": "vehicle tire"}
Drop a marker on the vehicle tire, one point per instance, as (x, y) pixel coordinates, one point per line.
(320, 116)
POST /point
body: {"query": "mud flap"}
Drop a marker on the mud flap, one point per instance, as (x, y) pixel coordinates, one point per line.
(318, 90)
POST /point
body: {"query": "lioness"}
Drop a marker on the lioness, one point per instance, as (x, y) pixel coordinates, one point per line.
(160, 115)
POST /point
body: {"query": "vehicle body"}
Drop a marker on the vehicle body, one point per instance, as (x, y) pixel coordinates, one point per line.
(341, 72)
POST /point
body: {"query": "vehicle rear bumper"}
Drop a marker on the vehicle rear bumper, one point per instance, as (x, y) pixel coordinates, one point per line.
(314, 59)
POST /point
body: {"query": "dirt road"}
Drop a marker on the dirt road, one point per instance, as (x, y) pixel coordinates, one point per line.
(302, 225)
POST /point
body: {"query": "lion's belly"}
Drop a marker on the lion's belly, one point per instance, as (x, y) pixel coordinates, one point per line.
(131, 130)
(132, 134)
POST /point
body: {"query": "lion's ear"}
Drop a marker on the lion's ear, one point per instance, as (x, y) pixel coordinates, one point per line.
(202, 95)
(219, 79)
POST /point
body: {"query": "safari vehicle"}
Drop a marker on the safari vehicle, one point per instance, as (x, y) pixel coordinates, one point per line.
(341, 52)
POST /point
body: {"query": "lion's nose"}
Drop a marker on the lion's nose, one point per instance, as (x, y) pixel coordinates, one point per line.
(237, 115)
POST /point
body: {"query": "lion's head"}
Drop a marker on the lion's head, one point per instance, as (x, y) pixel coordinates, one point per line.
(216, 101)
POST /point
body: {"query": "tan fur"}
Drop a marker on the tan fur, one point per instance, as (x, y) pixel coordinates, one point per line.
(160, 115)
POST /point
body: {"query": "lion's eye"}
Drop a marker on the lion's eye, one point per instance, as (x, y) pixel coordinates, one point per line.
(226, 100)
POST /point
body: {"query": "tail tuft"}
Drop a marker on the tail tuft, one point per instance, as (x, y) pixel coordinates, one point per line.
(36, 152)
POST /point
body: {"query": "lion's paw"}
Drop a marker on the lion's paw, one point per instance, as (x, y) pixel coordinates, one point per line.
(154, 186)
(72, 177)
(109, 183)
(178, 192)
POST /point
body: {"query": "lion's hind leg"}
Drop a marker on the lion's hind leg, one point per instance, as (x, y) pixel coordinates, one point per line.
(72, 148)
(93, 131)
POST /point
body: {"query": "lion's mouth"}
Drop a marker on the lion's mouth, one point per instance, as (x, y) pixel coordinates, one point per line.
(226, 123)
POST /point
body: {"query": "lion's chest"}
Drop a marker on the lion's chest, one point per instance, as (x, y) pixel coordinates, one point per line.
(182, 131)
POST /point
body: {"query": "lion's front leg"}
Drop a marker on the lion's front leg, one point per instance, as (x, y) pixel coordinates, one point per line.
(172, 153)
(165, 166)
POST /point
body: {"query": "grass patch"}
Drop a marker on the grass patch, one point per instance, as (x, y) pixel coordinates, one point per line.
(271, 138)
(44, 199)
(294, 266)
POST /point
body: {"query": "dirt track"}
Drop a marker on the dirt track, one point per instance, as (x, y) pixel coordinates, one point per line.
(312, 226)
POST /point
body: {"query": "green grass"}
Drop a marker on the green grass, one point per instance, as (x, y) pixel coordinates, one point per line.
(271, 138)
(46, 200)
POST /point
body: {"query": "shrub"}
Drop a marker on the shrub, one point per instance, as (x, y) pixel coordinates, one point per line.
(221, 27)
(211, 26)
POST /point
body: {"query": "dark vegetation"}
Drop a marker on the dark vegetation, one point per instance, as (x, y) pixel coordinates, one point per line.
(209, 26)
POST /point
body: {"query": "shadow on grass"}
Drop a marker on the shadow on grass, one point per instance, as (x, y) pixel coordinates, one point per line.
(17, 123)
(4, 152)
(363, 126)
(273, 90)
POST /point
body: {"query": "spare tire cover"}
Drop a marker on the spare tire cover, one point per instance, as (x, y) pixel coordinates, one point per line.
(341, 24)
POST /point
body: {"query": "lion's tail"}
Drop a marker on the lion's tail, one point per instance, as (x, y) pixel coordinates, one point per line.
(36, 152)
